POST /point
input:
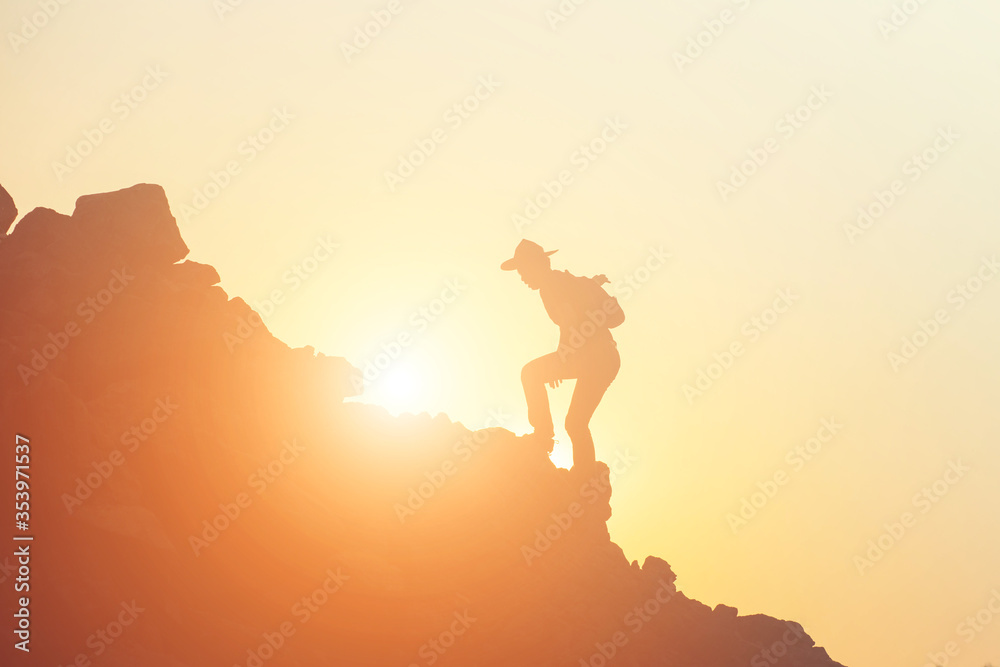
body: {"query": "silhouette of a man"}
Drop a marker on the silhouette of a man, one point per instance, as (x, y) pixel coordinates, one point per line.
(584, 313)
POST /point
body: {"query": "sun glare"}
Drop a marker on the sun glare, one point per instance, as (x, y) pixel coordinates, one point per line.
(402, 384)
(399, 389)
(562, 454)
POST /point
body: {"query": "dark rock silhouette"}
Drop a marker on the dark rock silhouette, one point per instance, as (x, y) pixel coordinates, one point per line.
(8, 212)
(197, 478)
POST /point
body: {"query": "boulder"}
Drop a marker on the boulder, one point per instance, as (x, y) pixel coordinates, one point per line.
(8, 211)
(134, 225)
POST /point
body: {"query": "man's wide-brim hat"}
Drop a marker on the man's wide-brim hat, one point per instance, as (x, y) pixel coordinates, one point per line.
(526, 252)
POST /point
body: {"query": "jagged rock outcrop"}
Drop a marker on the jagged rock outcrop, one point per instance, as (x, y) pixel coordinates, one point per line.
(8, 212)
(193, 475)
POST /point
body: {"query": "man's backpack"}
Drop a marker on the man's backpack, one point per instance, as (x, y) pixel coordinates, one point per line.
(605, 302)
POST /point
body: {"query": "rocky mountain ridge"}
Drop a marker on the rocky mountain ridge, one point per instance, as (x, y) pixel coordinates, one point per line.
(195, 502)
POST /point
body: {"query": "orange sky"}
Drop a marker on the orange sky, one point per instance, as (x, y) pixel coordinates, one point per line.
(374, 187)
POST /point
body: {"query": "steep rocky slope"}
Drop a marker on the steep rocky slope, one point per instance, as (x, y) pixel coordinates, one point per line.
(201, 494)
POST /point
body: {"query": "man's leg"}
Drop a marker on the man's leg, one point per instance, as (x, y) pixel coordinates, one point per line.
(534, 376)
(593, 381)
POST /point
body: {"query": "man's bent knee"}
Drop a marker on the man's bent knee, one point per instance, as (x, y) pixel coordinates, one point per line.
(529, 373)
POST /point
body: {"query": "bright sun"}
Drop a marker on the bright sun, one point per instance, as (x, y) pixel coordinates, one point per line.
(403, 388)
(398, 389)
(401, 383)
